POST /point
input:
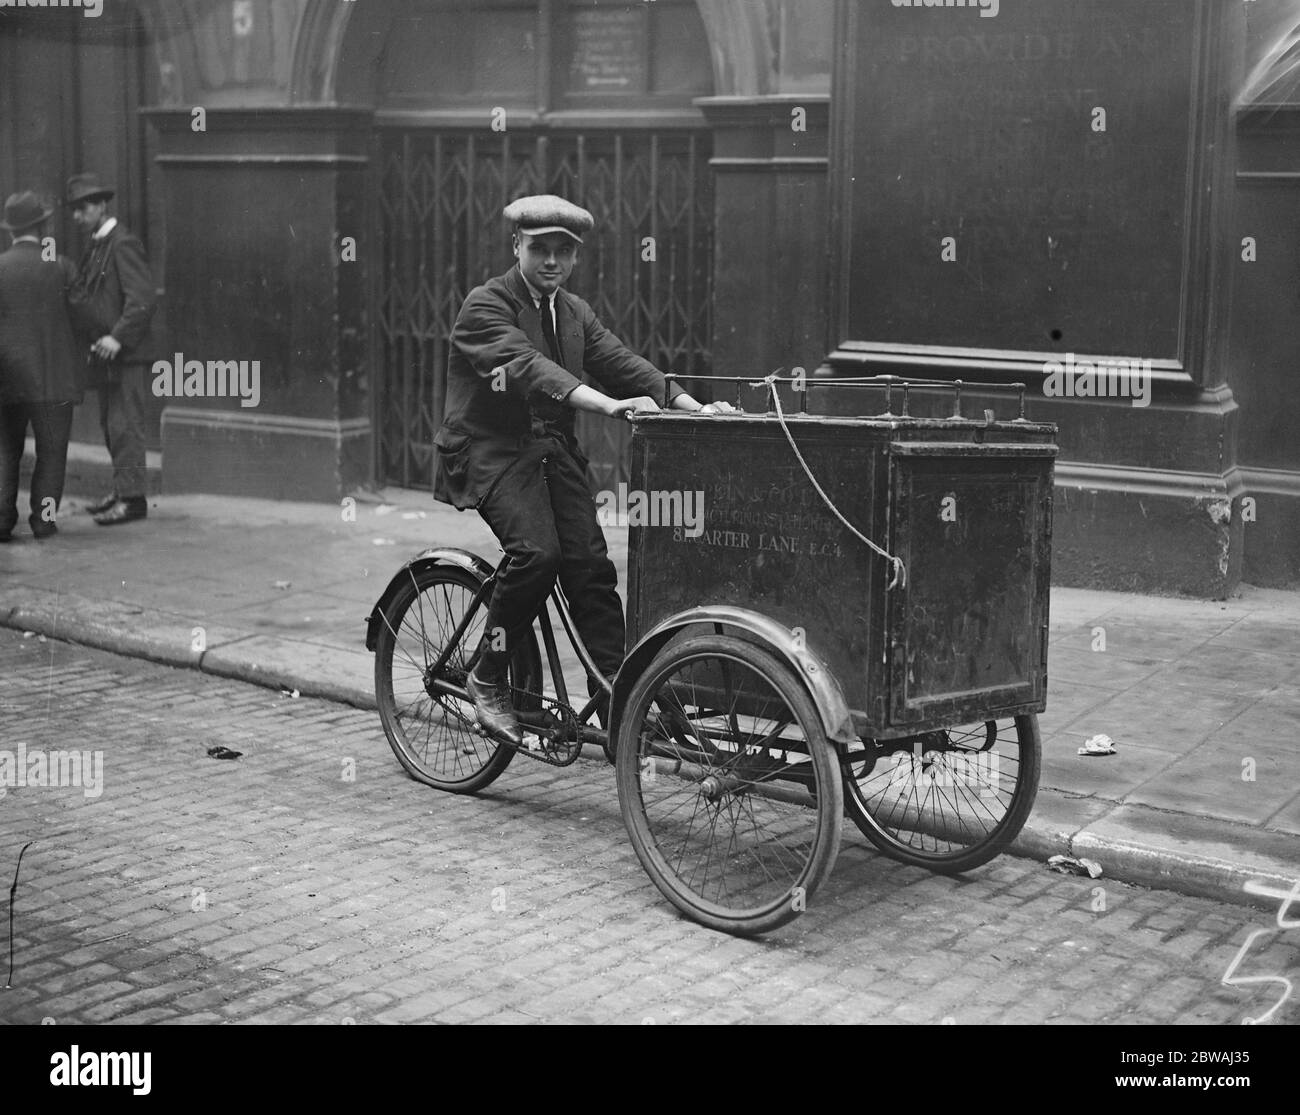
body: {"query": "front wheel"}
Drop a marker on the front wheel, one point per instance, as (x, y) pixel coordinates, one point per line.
(728, 785)
(948, 800)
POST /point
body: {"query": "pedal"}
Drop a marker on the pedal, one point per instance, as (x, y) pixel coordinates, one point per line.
(555, 741)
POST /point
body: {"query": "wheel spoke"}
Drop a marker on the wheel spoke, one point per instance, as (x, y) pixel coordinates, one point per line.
(950, 799)
(719, 747)
(431, 732)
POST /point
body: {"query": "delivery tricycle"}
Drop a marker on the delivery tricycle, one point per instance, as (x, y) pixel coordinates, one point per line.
(828, 614)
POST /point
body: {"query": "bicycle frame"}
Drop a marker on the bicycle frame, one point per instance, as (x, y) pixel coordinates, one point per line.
(529, 718)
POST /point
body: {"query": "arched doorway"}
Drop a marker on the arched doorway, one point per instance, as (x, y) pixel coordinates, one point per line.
(478, 103)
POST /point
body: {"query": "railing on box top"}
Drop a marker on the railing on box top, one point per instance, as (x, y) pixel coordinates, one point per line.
(887, 383)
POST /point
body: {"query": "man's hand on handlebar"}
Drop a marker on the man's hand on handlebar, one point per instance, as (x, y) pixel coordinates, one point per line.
(625, 408)
(589, 399)
(646, 405)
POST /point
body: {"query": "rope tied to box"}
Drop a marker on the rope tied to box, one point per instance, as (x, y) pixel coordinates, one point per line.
(900, 570)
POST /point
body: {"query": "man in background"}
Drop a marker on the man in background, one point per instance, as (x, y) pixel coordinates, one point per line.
(41, 370)
(113, 305)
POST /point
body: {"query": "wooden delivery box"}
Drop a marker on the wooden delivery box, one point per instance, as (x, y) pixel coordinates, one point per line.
(721, 511)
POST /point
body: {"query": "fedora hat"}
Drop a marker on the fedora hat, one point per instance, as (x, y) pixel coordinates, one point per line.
(87, 187)
(24, 210)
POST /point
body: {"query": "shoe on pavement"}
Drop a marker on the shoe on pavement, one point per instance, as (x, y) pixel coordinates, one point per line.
(102, 505)
(123, 511)
(44, 530)
(495, 714)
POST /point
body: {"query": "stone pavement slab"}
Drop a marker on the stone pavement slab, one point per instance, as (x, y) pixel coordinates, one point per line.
(316, 669)
(1101, 780)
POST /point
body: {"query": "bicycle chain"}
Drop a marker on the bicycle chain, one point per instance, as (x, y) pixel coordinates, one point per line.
(559, 746)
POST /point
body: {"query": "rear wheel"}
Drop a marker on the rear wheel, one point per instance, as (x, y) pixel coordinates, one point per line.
(729, 788)
(948, 800)
(433, 734)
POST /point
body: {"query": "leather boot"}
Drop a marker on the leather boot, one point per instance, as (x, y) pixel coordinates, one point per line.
(123, 511)
(492, 703)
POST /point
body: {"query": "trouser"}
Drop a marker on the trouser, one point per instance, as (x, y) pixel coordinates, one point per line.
(121, 417)
(51, 425)
(543, 514)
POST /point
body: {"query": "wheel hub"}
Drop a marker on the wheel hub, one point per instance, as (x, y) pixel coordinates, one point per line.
(712, 788)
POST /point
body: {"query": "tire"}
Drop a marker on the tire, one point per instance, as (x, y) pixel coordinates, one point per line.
(729, 788)
(434, 738)
(948, 800)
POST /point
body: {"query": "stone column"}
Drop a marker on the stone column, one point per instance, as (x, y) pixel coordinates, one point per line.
(769, 306)
(258, 206)
(769, 121)
(1265, 335)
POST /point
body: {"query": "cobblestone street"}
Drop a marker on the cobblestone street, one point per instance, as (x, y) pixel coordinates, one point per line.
(309, 880)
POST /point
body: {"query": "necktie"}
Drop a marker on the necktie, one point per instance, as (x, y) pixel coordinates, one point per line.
(88, 257)
(548, 332)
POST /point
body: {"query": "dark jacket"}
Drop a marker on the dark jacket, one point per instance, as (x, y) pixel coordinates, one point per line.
(129, 284)
(40, 360)
(498, 340)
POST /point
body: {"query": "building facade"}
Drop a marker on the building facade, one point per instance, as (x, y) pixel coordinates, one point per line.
(319, 183)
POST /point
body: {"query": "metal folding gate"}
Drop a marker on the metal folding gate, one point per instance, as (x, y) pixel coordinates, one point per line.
(646, 269)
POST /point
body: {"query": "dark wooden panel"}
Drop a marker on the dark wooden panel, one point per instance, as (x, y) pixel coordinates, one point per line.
(1067, 239)
(1266, 325)
(971, 623)
(766, 541)
(258, 282)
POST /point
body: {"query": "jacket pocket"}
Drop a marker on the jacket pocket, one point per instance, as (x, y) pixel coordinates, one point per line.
(451, 442)
(452, 471)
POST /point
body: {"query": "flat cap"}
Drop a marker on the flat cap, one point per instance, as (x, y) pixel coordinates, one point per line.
(545, 213)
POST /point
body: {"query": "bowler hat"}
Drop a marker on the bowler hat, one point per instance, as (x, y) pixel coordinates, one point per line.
(544, 213)
(24, 210)
(87, 187)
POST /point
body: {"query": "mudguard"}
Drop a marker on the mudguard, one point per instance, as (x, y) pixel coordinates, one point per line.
(825, 691)
(440, 555)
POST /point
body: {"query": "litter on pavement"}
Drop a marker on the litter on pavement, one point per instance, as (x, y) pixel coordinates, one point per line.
(1098, 745)
(1068, 865)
